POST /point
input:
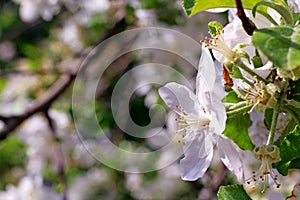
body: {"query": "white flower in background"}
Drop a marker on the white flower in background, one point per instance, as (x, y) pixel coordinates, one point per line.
(165, 185)
(86, 185)
(84, 10)
(295, 4)
(30, 10)
(14, 97)
(29, 187)
(70, 35)
(7, 50)
(160, 137)
(36, 134)
(201, 120)
(95, 6)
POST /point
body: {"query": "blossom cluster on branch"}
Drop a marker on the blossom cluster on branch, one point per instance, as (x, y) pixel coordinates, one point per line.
(252, 70)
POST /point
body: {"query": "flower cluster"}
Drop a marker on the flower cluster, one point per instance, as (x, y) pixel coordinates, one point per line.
(260, 75)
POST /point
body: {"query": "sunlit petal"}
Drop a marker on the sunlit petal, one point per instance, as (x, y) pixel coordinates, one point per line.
(229, 153)
(198, 155)
(175, 94)
(218, 116)
(205, 79)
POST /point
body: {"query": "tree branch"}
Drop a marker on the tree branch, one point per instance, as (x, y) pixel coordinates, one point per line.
(248, 25)
(44, 103)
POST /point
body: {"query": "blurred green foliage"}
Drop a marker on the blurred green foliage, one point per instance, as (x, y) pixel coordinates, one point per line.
(12, 157)
(40, 54)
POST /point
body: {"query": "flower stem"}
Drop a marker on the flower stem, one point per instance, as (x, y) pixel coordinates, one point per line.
(243, 109)
(234, 106)
(274, 122)
(248, 82)
(244, 67)
(248, 25)
(276, 112)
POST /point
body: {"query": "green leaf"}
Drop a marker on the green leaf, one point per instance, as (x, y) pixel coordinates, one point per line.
(294, 93)
(282, 168)
(290, 147)
(236, 73)
(231, 97)
(295, 85)
(295, 164)
(293, 111)
(11, 146)
(2, 84)
(281, 7)
(294, 103)
(289, 151)
(288, 129)
(281, 45)
(192, 7)
(12, 156)
(257, 62)
(146, 4)
(296, 17)
(232, 192)
(237, 130)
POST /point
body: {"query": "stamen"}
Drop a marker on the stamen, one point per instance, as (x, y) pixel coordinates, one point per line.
(253, 93)
(218, 43)
(189, 121)
(268, 154)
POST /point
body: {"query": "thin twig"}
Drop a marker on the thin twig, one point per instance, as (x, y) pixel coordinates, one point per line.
(248, 25)
(59, 156)
(42, 104)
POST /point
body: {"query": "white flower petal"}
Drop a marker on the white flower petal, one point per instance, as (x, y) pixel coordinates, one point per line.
(229, 153)
(218, 89)
(205, 79)
(198, 155)
(264, 71)
(175, 94)
(206, 72)
(218, 118)
(217, 10)
(259, 20)
(234, 34)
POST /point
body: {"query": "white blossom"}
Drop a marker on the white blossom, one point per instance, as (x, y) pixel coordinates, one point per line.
(201, 120)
